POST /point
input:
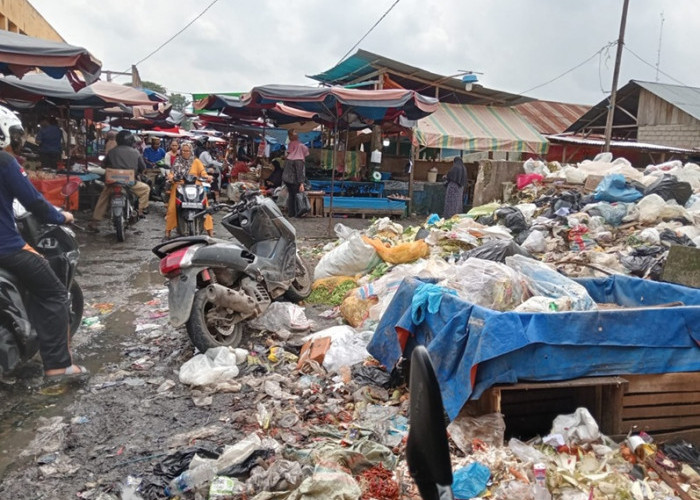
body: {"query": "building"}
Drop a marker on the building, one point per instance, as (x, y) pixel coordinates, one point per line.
(19, 16)
(648, 112)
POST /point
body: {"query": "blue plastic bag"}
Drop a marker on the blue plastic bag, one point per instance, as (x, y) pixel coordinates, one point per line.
(614, 187)
(469, 481)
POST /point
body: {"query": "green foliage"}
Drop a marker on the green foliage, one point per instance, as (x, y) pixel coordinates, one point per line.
(155, 87)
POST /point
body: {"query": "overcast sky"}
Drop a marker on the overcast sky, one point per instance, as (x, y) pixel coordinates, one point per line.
(517, 44)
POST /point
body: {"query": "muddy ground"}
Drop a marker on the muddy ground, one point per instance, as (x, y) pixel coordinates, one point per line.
(133, 410)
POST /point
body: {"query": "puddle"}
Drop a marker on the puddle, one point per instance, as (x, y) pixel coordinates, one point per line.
(26, 400)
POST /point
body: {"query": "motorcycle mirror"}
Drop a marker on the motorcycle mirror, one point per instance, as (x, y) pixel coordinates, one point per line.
(427, 450)
(101, 157)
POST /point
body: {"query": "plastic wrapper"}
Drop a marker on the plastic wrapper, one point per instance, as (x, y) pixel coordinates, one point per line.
(488, 428)
(401, 253)
(489, 284)
(535, 242)
(579, 239)
(470, 481)
(385, 226)
(353, 256)
(525, 452)
(614, 188)
(216, 365)
(495, 251)
(545, 305)
(577, 428)
(670, 188)
(545, 281)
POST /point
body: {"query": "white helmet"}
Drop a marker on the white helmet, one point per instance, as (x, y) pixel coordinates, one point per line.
(11, 131)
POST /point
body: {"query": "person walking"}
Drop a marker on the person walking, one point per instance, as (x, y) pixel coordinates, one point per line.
(454, 193)
(294, 173)
(49, 305)
(50, 140)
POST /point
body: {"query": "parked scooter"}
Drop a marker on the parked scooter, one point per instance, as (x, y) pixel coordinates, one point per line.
(190, 203)
(216, 285)
(18, 339)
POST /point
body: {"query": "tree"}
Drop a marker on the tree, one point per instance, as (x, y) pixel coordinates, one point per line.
(178, 101)
(155, 87)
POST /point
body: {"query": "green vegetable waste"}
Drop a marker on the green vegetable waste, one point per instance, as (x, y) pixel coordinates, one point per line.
(333, 297)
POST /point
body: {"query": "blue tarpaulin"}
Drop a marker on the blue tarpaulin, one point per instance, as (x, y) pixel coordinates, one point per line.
(473, 347)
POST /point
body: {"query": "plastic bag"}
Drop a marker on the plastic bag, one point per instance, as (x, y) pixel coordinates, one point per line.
(577, 428)
(535, 167)
(668, 187)
(489, 284)
(303, 204)
(645, 261)
(669, 237)
(613, 214)
(579, 239)
(573, 175)
(279, 316)
(216, 365)
(604, 157)
(401, 253)
(353, 256)
(535, 243)
(471, 480)
(523, 180)
(615, 187)
(483, 210)
(545, 281)
(488, 428)
(653, 208)
(495, 250)
(348, 346)
(650, 236)
(512, 218)
(545, 304)
(525, 452)
(385, 225)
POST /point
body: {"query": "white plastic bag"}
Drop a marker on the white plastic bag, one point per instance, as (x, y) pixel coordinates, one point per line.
(545, 281)
(604, 157)
(650, 236)
(216, 365)
(281, 316)
(545, 304)
(574, 175)
(348, 346)
(353, 256)
(535, 242)
(577, 428)
(536, 167)
(653, 208)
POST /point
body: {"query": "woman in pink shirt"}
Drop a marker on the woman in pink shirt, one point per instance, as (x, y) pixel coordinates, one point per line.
(294, 172)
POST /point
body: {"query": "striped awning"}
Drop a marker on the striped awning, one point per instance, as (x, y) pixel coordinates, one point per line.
(479, 128)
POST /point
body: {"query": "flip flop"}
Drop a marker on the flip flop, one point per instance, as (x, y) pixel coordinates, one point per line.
(70, 373)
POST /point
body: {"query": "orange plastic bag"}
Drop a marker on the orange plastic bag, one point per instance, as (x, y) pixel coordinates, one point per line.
(401, 253)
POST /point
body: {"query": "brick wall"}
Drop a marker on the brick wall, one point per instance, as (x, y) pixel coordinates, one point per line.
(681, 136)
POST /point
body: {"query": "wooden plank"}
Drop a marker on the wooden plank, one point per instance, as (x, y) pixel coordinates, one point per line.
(660, 411)
(651, 399)
(564, 384)
(664, 382)
(690, 435)
(663, 424)
(611, 408)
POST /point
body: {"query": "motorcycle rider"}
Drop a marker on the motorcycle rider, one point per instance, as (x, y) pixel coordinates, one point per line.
(184, 164)
(49, 309)
(211, 165)
(122, 156)
(154, 153)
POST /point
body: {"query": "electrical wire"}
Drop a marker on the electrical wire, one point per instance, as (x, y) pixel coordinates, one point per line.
(176, 34)
(657, 69)
(599, 51)
(368, 32)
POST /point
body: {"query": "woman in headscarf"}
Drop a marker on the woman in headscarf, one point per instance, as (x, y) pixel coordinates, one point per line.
(454, 194)
(185, 163)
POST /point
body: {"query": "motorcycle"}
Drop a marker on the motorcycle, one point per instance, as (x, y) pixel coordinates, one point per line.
(216, 285)
(157, 180)
(123, 201)
(190, 203)
(18, 339)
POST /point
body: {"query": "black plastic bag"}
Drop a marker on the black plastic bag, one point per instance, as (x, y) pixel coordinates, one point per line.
(512, 218)
(242, 470)
(176, 463)
(303, 204)
(669, 238)
(670, 188)
(683, 451)
(370, 375)
(495, 251)
(645, 261)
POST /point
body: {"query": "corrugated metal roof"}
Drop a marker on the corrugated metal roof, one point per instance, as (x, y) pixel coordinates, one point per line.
(479, 128)
(686, 99)
(550, 117)
(587, 141)
(365, 64)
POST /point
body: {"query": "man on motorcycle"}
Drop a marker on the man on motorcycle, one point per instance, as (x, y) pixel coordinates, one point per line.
(153, 154)
(122, 156)
(212, 166)
(49, 309)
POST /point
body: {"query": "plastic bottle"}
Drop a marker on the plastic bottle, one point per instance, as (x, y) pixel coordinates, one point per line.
(540, 487)
(191, 479)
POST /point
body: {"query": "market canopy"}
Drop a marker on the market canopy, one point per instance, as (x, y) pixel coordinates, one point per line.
(479, 128)
(37, 87)
(20, 54)
(236, 109)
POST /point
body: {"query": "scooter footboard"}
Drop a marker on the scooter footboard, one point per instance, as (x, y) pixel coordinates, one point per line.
(181, 290)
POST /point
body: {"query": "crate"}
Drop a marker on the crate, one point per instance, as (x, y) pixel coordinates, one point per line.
(122, 176)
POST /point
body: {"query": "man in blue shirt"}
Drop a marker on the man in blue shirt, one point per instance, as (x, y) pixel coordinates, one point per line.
(50, 139)
(153, 154)
(49, 308)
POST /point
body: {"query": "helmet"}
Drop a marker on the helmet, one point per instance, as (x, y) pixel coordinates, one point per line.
(11, 131)
(125, 138)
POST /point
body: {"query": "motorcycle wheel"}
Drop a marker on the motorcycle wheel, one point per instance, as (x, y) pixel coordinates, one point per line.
(9, 352)
(181, 226)
(190, 228)
(203, 332)
(76, 305)
(118, 221)
(301, 286)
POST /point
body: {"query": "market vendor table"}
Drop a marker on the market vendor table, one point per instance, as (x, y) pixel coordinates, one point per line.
(349, 188)
(316, 201)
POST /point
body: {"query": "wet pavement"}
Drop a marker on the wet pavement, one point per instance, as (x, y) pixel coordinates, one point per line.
(117, 419)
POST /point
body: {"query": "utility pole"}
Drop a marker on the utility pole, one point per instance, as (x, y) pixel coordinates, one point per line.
(616, 74)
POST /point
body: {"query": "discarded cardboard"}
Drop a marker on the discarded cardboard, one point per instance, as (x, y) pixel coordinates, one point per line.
(314, 350)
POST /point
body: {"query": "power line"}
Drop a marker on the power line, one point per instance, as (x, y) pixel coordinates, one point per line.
(599, 51)
(368, 32)
(657, 69)
(176, 34)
